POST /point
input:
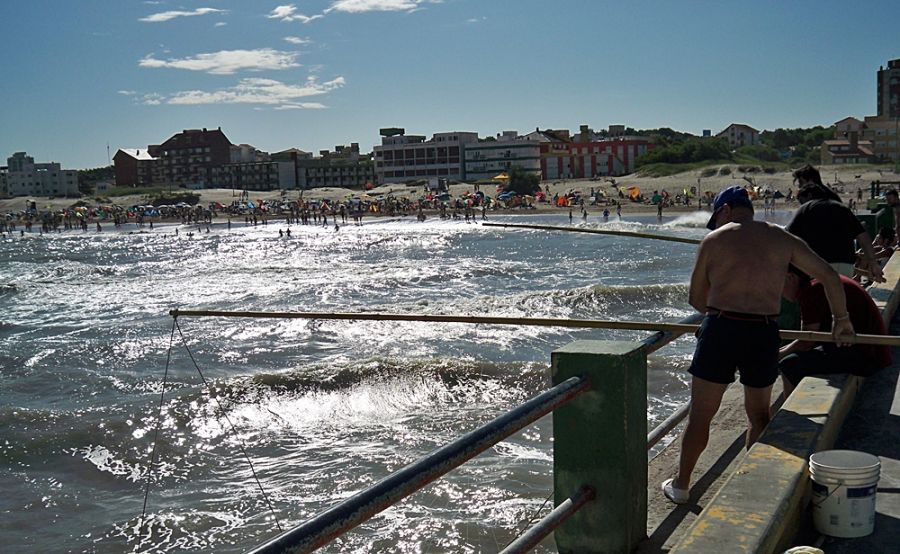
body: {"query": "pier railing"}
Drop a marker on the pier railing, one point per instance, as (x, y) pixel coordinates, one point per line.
(597, 385)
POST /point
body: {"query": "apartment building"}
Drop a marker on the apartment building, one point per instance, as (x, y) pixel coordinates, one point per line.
(189, 157)
(889, 90)
(402, 157)
(342, 167)
(254, 175)
(137, 168)
(488, 158)
(24, 177)
(587, 155)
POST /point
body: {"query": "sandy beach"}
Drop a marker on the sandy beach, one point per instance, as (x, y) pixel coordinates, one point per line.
(845, 180)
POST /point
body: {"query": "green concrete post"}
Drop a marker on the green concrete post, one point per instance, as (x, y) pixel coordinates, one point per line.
(600, 440)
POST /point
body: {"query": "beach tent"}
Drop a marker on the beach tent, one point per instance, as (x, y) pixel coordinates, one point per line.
(501, 177)
(633, 192)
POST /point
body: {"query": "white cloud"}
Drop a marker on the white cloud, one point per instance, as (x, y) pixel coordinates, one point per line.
(153, 99)
(362, 6)
(268, 92)
(220, 24)
(301, 106)
(227, 62)
(289, 13)
(127, 92)
(476, 19)
(297, 40)
(166, 16)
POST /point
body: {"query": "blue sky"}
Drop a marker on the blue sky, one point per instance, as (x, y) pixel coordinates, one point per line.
(79, 75)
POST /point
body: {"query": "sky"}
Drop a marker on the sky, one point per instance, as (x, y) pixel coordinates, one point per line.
(312, 74)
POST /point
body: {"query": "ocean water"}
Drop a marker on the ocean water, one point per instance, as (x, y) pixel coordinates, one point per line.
(322, 408)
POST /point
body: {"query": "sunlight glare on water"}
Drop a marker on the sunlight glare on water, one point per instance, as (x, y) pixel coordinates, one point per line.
(323, 408)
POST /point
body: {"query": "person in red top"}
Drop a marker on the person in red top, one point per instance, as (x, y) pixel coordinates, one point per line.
(801, 358)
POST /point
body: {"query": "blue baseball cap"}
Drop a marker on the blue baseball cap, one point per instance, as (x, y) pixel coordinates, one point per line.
(733, 196)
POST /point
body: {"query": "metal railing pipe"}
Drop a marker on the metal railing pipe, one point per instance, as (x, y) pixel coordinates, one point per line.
(533, 536)
(670, 423)
(661, 338)
(322, 528)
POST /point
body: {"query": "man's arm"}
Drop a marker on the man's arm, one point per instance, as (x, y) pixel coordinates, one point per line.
(700, 279)
(810, 263)
(869, 261)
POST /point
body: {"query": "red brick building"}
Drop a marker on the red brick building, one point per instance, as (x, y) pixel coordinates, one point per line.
(137, 168)
(188, 158)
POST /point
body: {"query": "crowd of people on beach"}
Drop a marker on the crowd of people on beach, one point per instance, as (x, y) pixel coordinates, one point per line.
(438, 203)
(805, 275)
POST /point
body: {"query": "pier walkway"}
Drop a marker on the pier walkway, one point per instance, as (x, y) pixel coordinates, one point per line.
(873, 426)
(868, 420)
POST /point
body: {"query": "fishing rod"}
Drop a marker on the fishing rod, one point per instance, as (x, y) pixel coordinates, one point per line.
(632, 234)
(679, 328)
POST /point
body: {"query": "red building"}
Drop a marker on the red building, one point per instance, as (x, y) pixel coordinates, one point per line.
(137, 168)
(586, 156)
(189, 157)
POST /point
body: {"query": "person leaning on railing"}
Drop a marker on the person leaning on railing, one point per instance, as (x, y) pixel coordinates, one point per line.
(803, 358)
(737, 281)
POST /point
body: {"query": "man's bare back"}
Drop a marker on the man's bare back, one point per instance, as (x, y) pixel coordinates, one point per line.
(741, 267)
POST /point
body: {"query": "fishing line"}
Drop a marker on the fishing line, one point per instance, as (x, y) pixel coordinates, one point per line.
(162, 396)
(233, 429)
(530, 521)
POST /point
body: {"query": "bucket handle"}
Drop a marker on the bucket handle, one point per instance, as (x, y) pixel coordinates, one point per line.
(827, 496)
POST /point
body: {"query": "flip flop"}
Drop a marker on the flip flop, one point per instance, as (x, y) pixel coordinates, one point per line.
(678, 496)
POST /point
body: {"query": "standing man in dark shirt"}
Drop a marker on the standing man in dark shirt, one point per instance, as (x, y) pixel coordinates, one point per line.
(830, 228)
(802, 358)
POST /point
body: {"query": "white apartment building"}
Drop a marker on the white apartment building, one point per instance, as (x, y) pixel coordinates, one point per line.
(487, 159)
(402, 157)
(26, 178)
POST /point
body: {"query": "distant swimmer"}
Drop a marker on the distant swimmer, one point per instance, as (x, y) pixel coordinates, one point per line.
(288, 232)
(280, 233)
(606, 214)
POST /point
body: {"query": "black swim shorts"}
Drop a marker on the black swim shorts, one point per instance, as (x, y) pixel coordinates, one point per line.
(725, 344)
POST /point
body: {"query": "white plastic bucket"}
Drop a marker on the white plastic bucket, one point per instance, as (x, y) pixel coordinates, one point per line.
(843, 492)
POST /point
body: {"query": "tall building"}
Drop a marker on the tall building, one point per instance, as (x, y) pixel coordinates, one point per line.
(26, 178)
(402, 157)
(4, 188)
(189, 157)
(883, 129)
(889, 90)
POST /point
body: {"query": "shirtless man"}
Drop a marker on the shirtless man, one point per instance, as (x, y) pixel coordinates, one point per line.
(737, 281)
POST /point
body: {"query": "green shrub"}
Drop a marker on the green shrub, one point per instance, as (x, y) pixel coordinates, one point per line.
(709, 172)
(725, 170)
